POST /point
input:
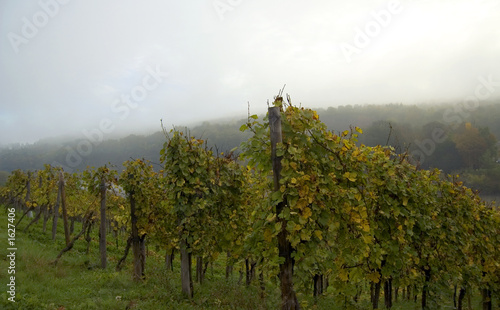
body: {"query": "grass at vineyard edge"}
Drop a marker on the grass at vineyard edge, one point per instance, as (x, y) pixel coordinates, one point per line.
(77, 282)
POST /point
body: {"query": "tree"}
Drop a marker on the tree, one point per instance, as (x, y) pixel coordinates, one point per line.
(471, 145)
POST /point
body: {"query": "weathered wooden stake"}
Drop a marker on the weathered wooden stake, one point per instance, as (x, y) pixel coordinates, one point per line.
(186, 274)
(56, 214)
(102, 231)
(64, 209)
(288, 296)
(199, 269)
(137, 242)
(27, 198)
(229, 265)
(169, 259)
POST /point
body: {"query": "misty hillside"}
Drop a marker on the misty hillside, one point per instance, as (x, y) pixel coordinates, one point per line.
(77, 155)
(467, 140)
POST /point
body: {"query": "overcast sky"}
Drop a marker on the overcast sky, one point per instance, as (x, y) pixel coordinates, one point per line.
(75, 66)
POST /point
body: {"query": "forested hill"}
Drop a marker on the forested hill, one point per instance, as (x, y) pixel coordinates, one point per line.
(452, 137)
(77, 155)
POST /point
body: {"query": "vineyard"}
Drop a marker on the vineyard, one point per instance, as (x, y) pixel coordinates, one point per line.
(302, 218)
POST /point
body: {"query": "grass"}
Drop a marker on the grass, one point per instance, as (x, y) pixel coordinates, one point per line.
(78, 283)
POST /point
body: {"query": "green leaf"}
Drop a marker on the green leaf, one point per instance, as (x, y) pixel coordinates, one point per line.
(276, 197)
(405, 201)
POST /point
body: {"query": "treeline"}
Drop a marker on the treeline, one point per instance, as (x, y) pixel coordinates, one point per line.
(437, 138)
(453, 138)
(76, 156)
(303, 206)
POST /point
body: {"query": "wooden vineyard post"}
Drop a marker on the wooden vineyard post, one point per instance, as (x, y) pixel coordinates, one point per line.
(102, 231)
(64, 209)
(186, 274)
(288, 296)
(56, 213)
(27, 198)
(137, 242)
(169, 259)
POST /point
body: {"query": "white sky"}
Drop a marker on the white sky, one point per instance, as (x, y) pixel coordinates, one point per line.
(219, 54)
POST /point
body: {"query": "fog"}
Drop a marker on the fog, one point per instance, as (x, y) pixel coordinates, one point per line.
(117, 67)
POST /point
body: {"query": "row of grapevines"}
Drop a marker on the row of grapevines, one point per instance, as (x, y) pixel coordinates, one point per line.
(366, 216)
